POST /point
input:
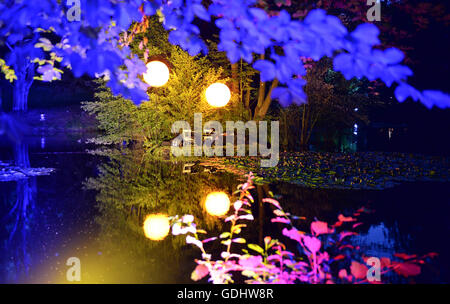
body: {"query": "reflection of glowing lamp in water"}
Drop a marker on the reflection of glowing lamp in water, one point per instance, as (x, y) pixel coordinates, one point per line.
(157, 74)
(217, 203)
(156, 226)
(218, 95)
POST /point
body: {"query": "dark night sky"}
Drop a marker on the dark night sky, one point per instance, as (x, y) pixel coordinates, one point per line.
(428, 129)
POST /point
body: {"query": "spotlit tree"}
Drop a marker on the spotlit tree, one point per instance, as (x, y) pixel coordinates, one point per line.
(21, 59)
(28, 52)
(178, 99)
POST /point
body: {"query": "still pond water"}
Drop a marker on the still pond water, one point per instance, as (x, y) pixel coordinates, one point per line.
(92, 208)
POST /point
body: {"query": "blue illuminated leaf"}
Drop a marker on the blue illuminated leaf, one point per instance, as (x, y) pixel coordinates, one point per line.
(92, 45)
(404, 90)
(258, 13)
(366, 33)
(392, 56)
(435, 98)
(201, 12)
(266, 68)
(48, 72)
(283, 96)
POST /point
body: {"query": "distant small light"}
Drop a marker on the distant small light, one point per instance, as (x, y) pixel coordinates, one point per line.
(42, 117)
(356, 109)
(390, 131)
(355, 129)
(42, 142)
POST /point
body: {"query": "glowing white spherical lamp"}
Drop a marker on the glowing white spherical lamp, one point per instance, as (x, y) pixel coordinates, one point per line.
(218, 95)
(157, 74)
(217, 203)
(156, 226)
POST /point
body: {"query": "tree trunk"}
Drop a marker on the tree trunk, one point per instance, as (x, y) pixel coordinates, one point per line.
(20, 96)
(264, 103)
(24, 206)
(235, 84)
(261, 94)
(234, 79)
(21, 158)
(303, 133)
(247, 99)
(22, 85)
(285, 127)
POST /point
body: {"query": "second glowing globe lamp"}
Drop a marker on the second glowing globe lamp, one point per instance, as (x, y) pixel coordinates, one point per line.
(218, 95)
(217, 203)
(157, 74)
(156, 226)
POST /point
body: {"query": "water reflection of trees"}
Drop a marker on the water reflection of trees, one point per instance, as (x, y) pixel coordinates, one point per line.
(130, 186)
(18, 220)
(139, 185)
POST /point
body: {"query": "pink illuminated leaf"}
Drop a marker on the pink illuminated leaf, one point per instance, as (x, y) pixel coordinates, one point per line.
(344, 234)
(385, 262)
(343, 218)
(319, 228)
(406, 269)
(312, 243)
(280, 220)
(246, 217)
(356, 225)
(199, 273)
(293, 234)
(209, 240)
(358, 270)
(432, 254)
(250, 262)
(339, 257)
(405, 256)
(342, 274)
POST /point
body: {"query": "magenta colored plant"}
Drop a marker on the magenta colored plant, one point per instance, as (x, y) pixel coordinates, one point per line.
(327, 256)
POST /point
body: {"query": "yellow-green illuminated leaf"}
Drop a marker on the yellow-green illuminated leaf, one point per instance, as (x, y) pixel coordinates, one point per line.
(256, 248)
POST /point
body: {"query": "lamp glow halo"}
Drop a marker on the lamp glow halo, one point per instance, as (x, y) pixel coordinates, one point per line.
(157, 74)
(218, 95)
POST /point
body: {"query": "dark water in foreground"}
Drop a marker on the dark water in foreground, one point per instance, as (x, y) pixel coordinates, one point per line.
(47, 219)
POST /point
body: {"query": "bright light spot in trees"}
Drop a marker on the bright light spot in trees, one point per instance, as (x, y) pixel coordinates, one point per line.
(157, 74)
(218, 94)
(217, 203)
(156, 226)
(355, 129)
